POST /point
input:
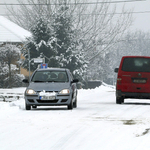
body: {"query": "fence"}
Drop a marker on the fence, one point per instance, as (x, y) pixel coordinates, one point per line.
(8, 95)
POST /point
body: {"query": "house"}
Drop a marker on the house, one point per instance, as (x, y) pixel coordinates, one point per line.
(14, 34)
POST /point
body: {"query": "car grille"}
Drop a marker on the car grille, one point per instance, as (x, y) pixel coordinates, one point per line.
(47, 101)
(64, 100)
(31, 100)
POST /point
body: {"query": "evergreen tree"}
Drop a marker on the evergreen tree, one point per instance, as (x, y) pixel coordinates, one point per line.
(56, 40)
(41, 44)
(70, 52)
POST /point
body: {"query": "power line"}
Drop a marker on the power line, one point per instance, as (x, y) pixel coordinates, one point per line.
(140, 12)
(78, 3)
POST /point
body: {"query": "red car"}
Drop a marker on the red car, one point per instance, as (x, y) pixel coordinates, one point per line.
(133, 80)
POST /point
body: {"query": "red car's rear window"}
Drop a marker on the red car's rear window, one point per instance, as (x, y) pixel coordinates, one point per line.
(136, 65)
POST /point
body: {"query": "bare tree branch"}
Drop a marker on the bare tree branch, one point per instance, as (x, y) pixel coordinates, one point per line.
(97, 25)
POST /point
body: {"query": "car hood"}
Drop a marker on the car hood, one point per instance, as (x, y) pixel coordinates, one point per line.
(48, 86)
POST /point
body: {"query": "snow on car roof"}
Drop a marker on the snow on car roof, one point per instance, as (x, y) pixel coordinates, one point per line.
(59, 69)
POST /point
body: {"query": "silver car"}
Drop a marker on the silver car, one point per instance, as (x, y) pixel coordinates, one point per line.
(51, 87)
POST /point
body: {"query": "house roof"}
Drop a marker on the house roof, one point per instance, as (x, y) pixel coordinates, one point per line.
(11, 32)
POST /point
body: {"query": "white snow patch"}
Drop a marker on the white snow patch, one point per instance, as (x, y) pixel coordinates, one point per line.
(43, 93)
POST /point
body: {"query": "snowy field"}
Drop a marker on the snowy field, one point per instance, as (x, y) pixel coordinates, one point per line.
(96, 124)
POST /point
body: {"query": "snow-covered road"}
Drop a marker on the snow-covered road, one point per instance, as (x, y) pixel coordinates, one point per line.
(98, 123)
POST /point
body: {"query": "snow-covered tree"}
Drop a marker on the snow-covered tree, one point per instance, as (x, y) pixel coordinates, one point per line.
(56, 41)
(9, 54)
(42, 43)
(70, 52)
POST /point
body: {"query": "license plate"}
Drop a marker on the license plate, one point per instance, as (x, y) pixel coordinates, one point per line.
(47, 97)
(139, 81)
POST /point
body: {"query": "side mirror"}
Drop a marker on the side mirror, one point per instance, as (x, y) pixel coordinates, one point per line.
(116, 70)
(25, 80)
(75, 81)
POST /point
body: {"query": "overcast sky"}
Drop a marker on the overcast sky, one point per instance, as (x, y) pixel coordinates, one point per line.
(141, 20)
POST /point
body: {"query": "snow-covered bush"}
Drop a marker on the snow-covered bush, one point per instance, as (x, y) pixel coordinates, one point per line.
(9, 77)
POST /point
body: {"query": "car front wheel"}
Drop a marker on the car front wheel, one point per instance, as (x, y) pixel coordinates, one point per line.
(75, 103)
(28, 107)
(70, 106)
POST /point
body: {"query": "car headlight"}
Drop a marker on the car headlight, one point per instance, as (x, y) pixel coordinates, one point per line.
(30, 92)
(64, 91)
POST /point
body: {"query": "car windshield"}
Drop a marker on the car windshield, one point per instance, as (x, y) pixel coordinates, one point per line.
(50, 76)
(136, 65)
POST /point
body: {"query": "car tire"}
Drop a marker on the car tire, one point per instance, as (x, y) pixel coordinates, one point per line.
(75, 103)
(122, 100)
(28, 107)
(119, 100)
(70, 106)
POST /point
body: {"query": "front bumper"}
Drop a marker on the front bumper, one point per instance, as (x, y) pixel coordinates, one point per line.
(59, 100)
(132, 95)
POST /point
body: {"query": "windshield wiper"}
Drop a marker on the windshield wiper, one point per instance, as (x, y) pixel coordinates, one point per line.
(47, 81)
(50, 81)
(54, 81)
(38, 81)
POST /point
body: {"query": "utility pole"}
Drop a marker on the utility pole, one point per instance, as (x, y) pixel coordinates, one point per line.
(29, 62)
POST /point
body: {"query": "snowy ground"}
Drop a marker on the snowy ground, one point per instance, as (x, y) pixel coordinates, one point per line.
(97, 124)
